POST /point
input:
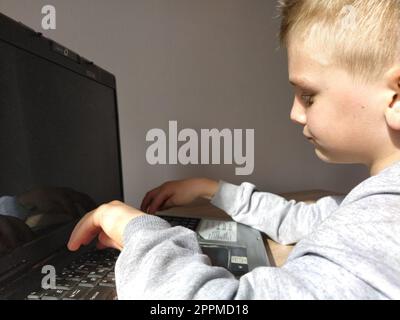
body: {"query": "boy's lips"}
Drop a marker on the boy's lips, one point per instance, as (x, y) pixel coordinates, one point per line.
(310, 139)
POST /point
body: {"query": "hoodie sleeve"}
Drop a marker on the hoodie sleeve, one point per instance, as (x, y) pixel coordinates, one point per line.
(160, 262)
(284, 221)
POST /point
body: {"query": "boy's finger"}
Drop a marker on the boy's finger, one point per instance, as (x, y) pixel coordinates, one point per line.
(85, 231)
(147, 200)
(157, 203)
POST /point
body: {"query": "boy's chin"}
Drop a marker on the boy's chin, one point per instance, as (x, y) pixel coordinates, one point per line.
(326, 158)
(331, 159)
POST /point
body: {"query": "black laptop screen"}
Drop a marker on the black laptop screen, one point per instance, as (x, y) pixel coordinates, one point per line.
(59, 153)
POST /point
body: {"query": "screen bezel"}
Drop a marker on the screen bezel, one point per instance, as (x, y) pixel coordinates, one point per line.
(24, 38)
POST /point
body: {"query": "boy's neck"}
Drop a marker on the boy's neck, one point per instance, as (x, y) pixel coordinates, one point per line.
(380, 164)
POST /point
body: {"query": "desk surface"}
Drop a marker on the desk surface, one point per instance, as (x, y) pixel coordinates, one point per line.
(204, 209)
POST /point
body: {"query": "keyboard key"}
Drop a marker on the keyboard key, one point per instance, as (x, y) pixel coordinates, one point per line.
(107, 282)
(85, 268)
(64, 284)
(35, 295)
(190, 223)
(78, 294)
(75, 276)
(100, 293)
(99, 273)
(89, 282)
(53, 294)
(105, 265)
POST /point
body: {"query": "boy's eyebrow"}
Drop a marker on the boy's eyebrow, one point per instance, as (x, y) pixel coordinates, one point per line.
(301, 84)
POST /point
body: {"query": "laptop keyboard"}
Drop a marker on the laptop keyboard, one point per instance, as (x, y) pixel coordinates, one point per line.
(190, 223)
(90, 277)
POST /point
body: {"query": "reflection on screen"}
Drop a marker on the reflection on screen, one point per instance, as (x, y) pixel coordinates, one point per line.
(59, 146)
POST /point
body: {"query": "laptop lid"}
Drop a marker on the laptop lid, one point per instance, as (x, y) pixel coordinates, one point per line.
(59, 142)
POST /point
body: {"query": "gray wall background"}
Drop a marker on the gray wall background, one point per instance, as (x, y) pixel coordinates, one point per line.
(205, 63)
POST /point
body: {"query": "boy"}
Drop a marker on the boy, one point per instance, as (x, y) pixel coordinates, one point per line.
(344, 61)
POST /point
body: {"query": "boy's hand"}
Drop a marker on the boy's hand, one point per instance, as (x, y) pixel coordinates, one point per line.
(107, 222)
(178, 193)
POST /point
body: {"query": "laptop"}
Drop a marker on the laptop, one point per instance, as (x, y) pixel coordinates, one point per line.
(61, 157)
(228, 244)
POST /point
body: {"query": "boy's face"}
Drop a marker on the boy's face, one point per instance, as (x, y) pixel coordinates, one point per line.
(344, 120)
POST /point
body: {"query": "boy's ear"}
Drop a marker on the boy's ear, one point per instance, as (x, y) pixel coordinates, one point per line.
(392, 112)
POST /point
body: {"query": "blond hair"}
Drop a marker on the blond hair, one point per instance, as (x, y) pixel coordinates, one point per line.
(361, 36)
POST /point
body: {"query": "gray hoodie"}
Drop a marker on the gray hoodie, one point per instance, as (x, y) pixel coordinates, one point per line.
(347, 248)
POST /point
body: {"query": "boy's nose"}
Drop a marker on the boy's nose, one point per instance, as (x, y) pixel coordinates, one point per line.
(298, 114)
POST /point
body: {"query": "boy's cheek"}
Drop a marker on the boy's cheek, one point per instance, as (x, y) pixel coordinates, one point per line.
(319, 127)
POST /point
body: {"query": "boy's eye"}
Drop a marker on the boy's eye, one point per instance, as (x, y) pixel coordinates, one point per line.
(308, 99)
